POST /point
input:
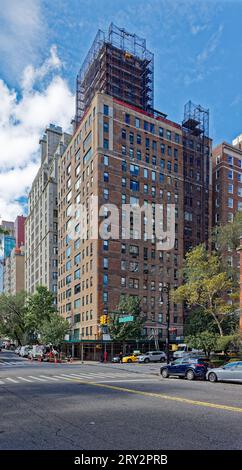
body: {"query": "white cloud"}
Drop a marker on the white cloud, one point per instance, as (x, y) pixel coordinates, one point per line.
(23, 34)
(23, 119)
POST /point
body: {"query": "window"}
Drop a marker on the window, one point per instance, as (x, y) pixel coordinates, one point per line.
(105, 263)
(123, 134)
(133, 283)
(123, 281)
(230, 202)
(239, 206)
(147, 142)
(133, 250)
(138, 154)
(105, 245)
(77, 274)
(161, 131)
(105, 109)
(168, 135)
(77, 318)
(240, 191)
(105, 127)
(105, 279)
(162, 148)
(153, 175)
(137, 123)
(131, 137)
(138, 139)
(177, 138)
(134, 185)
(106, 143)
(105, 160)
(146, 126)
(105, 296)
(77, 289)
(146, 173)
(106, 193)
(230, 160)
(231, 188)
(134, 170)
(105, 177)
(127, 118)
(123, 149)
(230, 174)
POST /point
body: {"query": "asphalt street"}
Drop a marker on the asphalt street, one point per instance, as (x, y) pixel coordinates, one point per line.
(113, 406)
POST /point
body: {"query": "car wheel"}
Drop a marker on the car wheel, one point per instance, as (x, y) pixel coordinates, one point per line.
(190, 375)
(162, 359)
(129, 360)
(212, 377)
(165, 373)
(146, 360)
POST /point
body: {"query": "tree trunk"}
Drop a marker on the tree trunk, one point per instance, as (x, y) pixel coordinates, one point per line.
(218, 324)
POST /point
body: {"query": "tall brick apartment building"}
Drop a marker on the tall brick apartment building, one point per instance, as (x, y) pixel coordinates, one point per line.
(227, 187)
(125, 152)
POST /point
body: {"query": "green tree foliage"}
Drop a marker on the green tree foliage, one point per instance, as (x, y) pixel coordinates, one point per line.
(54, 329)
(206, 341)
(128, 305)
(39, 308)
(12, 317)
(206, 286)
(228, 235)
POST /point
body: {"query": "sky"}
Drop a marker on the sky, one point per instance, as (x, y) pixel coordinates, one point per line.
(197, 46)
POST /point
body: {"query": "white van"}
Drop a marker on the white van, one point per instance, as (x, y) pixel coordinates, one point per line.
(183, 350)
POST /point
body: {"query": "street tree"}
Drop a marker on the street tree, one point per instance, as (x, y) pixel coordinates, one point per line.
(39, 308)
(206, 341)
(12, 317)
(53, 330)
(208, 287)
(128, 305)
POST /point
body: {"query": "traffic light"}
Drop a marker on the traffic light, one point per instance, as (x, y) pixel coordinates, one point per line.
(104, 320)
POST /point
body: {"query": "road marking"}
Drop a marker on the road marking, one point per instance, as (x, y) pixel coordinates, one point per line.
(25, 380)
(64, 378)
(168, 397)
(36, 378)
(48, 377)
(12, 380)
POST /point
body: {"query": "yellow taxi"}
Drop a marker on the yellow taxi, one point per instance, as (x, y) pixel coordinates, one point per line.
(131, 357)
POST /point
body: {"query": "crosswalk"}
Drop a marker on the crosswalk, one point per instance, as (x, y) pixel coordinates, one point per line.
(14, 363)
(82, 377)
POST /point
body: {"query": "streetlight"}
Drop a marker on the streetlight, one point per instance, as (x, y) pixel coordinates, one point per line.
(166, 290)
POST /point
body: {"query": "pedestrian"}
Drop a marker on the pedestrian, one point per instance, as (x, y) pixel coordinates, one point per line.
(120, 357)
(101, 357)
(105, 356)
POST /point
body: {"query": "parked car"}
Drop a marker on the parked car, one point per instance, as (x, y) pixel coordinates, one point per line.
(231, 372)
(183, 350)
(116, 359)
(24, 351)
(152, 356)
(189, 368)
(130, 358)
(17, 350)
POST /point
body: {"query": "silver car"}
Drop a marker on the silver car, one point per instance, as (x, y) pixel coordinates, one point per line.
(231, 372)
(152, 356)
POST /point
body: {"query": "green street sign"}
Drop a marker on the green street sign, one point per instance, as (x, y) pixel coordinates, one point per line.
(126, 319)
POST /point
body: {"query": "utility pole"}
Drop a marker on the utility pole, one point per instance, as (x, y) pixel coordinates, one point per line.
(166, 290)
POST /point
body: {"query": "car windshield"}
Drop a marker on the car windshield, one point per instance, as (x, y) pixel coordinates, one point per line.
(177, 361)
(231, 364)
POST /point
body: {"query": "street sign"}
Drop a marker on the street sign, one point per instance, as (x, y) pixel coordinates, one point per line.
(126, 319)
(106, 337)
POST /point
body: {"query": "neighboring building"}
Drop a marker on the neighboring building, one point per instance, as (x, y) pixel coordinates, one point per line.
(13, 275)
(124, 153)
(7, 242)
(227, 188)
(19, 230)
(41, 226)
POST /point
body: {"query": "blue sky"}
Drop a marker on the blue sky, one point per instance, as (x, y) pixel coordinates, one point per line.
(197, 47)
